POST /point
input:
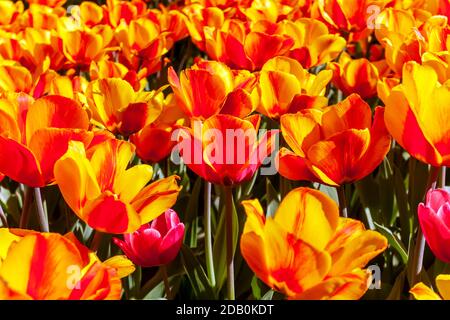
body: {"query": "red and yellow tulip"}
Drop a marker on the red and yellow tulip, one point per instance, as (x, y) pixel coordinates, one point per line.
(336, 145)
(99, 188)
(49, 266)
(307, 251)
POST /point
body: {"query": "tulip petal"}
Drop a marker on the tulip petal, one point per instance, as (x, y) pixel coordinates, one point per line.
(156, 198)
(171, 244)
(25, 167)
(294, 167)
(421, 292)
(443, 285)
(310, 215)
(128, 184)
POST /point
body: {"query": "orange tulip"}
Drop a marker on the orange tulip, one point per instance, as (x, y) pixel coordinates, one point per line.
(225, 149)
(49, 266)
(357, 75)
(49, 3)
(417, 115)
(307, 251)
(285, 87)
(143, 44)
(154, 142)
(337, 145)
(211, 87)
(15, 78)
(117, 11)
(81, 45)
(313, 44)
(421, 292)
(36, 134)
(101, 191)
(10, 11)
(117, 107)
(347, 16)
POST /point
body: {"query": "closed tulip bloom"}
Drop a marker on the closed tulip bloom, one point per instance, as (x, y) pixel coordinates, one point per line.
(339, 144)
(49, 266)
(307, 251)
(225, 149)
(285, 87)
(156, 243)
(422, 292)
(36, 134)
(417, 115)
(101, 191)
(434, 218)
(211, 87)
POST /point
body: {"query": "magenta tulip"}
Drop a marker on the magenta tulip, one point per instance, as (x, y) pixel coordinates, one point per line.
(156, 243)
(434, 218)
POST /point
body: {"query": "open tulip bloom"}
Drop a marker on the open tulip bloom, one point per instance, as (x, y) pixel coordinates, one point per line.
(224, 149)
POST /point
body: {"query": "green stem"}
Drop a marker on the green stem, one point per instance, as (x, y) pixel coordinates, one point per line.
(443, 176)
(43, 220)
(25, 215)
(229, 234)
(166, 282)
(208, 234)
(96, 240)
(3, 217)
(342, 201)
(419, 248)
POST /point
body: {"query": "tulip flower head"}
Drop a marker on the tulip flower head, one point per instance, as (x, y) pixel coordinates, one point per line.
(307, 251)
(339, 144)
(225, 149)
(434, 218)
(49, 266)
(100, 189)
(156, 243)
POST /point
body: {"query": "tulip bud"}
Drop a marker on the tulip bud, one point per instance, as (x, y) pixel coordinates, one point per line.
(156, 243)
(434, 218)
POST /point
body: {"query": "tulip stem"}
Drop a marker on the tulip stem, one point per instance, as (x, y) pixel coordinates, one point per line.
(3, 217)
(229, 234)
(96, 241)
(166, 282)
(25, 215)
(443, 176)
(41, 212)
(419, 248)
(208, 235)
(342, 202)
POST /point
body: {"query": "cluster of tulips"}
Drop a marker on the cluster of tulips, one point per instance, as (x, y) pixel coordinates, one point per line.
(223, 149)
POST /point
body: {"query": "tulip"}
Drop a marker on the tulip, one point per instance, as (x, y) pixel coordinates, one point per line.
(156, 243)
(99, 188)
(154, 142)
(307, 251)
(337, 145)
(285, 87)
(211, 87)
(10, 11)
(356, 75)
(36, 134)
(49, 266)
(434, 218)
(117, 107)
(225, 149)
(417, 115)
(347, 17)
(143, 44)
(313, 44)
(15, 78)
(421, 292)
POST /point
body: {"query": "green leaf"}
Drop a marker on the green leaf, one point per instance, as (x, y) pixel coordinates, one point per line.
(268, 295)
(394, 242)
(196, 274)
(191, 214)
(272, 199)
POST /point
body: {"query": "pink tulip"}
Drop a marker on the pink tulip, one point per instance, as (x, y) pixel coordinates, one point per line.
(156, 243)
(434, 218)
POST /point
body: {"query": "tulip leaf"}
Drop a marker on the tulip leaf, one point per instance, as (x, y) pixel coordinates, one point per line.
(396, 291)
(272, 199)
(190, 217)
(394, 241)
(196, 275)
(402, 205)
